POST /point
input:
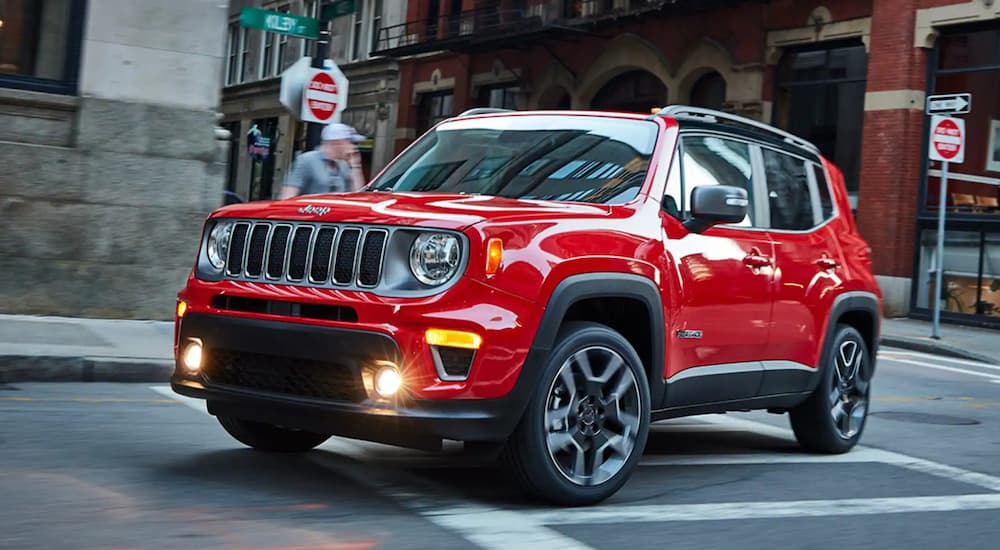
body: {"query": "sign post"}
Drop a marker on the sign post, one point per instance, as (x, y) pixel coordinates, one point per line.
(947, 145)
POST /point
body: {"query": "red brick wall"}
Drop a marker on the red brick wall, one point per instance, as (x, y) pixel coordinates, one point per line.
(892, 140)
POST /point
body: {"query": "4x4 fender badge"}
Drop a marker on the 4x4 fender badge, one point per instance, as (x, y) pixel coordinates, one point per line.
(689, 334)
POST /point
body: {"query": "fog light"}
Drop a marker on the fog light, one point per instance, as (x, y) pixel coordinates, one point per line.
(387, 381)
(192, 357)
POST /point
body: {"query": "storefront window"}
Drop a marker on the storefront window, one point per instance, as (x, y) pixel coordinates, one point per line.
(970, 62)
(821, 96)
(40, 44)
(989, 299)
(961, 270)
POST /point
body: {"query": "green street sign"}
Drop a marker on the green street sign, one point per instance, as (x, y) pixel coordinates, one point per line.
(338, 8)
(280, 22)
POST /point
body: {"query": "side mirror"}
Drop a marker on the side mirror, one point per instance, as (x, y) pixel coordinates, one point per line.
(716, 204)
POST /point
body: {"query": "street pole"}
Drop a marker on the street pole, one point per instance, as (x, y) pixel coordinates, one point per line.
(315, 130)
(940, 252)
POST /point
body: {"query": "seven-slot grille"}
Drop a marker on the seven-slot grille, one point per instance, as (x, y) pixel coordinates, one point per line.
(319, 255)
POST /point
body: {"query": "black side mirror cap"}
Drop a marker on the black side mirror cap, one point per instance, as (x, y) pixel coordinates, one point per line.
(716, 204)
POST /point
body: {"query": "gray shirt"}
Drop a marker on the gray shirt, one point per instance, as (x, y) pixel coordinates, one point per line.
(313, 173)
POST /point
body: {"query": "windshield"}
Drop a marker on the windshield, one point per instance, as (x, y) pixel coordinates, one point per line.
(543, 157)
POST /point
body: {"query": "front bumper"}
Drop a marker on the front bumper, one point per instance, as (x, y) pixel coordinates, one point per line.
(413, 422)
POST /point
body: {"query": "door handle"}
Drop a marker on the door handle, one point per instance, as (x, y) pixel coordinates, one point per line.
(755, 260)
(827, 263)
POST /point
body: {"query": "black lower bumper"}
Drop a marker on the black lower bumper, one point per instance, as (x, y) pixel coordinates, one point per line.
(413, 423)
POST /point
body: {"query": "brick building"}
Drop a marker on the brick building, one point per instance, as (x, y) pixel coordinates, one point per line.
(265, 136)
(849, 75)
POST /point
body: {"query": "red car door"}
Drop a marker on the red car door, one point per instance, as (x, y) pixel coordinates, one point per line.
(724, 276)
(808, 272)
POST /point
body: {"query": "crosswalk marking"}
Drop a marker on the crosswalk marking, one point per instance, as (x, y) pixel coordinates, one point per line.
(491, 527)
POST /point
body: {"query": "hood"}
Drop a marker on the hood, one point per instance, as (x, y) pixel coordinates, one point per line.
(437, 210)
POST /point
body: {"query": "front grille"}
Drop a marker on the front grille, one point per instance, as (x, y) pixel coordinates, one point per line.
(283, 375)
(303, 253)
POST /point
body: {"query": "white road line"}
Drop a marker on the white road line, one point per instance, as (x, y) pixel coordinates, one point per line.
(913, 463)
(855, 456)
(487, 527)
(893, 355)
(656, 513)
(949, 369)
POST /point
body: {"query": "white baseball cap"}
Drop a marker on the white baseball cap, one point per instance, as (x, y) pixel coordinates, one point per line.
(341, 131)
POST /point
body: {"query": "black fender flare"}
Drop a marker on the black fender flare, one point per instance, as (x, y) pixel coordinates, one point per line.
(851, 301)
(594, 285)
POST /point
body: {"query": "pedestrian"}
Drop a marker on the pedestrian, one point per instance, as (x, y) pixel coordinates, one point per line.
(333, 167)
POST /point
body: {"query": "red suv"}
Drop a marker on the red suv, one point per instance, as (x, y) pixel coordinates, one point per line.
(548, 281)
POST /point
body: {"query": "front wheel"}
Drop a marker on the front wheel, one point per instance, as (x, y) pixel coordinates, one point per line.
(586, 426)
(267, 437)
(832, 419)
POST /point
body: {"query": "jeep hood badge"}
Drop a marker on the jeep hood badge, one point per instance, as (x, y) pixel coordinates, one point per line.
(318, 210)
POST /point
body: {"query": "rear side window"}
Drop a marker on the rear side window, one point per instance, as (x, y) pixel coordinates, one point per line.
(823, 189)
(788, 191)
(710, 160)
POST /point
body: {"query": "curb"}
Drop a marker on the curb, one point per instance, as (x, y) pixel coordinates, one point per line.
(927, 345)
(43, 368)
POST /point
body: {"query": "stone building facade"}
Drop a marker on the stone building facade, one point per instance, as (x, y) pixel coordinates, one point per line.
(849, 75)
(110, 158)
(266, 137)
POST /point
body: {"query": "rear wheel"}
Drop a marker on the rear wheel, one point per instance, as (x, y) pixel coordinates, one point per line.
(833, 418)
(267, 437)
(586, 426)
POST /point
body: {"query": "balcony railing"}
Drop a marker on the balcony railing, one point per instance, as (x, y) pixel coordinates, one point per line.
(478, 28)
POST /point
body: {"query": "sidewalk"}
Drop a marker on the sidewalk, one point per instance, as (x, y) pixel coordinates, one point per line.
(977, 344)
(64, 349)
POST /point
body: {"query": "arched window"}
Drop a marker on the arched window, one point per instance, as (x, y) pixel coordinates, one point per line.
(709, 91)
(634, 91)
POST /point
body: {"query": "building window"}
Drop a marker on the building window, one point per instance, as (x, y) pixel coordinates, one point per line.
(969, 61)
(40, 44)
(376, 24)
(501, 97)
(279, 58)
(244, 54)
(357, 29)
(970, 284)
(821, 97)
(635, 91)
(232, 54)
(709, 91)
(267, 54)
(433, 109)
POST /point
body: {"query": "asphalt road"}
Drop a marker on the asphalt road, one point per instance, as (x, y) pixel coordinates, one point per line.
(116, 466)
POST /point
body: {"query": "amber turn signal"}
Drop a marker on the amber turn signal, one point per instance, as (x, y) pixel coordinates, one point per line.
(181, 309)
(494, 255)
(453, 338)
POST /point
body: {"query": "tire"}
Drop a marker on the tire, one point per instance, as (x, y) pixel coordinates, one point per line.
(607, 421)
(818, 428)
(267, 437)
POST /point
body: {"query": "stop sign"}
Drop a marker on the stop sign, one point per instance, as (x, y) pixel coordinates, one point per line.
(321, 98)
(947, 139)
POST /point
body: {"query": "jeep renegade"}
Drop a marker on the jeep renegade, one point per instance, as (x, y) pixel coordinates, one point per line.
(551, 282)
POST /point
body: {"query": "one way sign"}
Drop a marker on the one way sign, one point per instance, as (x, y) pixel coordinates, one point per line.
(949, 104)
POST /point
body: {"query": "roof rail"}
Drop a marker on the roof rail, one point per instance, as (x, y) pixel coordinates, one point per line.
(686, 111)
(485, 111)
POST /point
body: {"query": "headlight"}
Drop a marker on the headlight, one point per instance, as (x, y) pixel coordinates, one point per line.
(434, 257)
(218, 243)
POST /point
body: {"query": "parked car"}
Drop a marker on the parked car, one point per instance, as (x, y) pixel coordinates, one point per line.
(551, 282)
